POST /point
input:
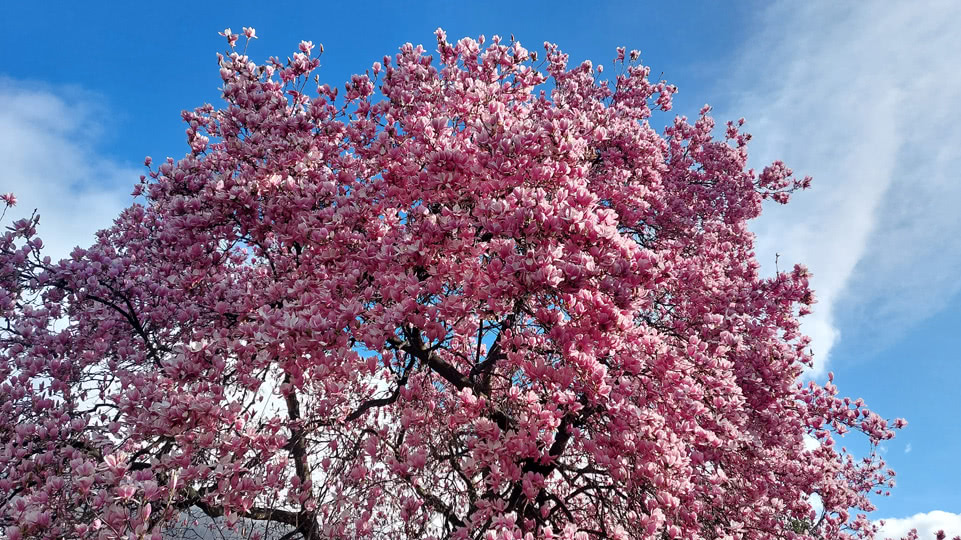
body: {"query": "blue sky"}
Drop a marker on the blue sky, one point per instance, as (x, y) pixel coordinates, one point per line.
(864, 97)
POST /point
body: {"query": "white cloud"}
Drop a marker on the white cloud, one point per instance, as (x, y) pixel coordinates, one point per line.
(927, 524)
(863, 98)
(50, 162)
(907, 448)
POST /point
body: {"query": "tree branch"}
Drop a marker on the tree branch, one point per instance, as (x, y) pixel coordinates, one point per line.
(380, 402)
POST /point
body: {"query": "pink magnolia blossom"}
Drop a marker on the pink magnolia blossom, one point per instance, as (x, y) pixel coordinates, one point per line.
(476, 296)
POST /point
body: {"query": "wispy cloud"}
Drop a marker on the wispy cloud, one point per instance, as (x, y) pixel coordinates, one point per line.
(927, 524)
(50, 162)
(907, 448)
(864, 97)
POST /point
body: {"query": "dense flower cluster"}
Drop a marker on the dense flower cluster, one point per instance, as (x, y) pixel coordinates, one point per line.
(469, 295)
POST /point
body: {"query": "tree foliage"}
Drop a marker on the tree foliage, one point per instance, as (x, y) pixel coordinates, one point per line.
(467, 295)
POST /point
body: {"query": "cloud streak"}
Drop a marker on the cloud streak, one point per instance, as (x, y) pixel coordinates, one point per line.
(50, 162)
(863, 98)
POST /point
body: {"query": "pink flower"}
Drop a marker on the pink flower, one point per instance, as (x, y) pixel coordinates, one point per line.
(126, 492)
(231, 37)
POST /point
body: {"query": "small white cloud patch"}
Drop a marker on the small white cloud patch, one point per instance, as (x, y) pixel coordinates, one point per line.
(927, 524)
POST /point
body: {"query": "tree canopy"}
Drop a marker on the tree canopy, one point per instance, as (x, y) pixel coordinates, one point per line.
(472, 294)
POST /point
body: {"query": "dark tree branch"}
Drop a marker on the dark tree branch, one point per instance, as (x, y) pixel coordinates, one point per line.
(380, 402)
(297, 446)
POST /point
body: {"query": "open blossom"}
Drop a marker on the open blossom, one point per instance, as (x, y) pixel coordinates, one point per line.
(473, 295)
(231, 37)
(9, 199)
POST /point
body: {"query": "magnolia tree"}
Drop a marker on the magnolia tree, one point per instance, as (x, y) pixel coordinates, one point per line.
(470, 295)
